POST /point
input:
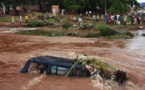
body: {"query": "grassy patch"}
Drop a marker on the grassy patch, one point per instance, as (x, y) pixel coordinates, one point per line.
(38, 23)
(105, 30)
(5, 19)
(119, 36)
(123, 35)
(56, 33)
(42, 33)
(51, 20)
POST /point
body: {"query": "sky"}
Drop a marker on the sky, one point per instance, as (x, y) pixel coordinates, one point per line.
(141, 0)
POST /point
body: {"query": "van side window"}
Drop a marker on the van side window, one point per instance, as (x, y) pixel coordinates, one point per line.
(62, 70)
(53, 69)
(59, 70)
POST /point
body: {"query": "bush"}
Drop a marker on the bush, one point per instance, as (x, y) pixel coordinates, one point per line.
(128, 33)
(86, 27)
(51, 20)
(38, 23)
(66, 25)
(40, 16)
(91, 35)
(35, 23)
(42, 33)
(105, 30)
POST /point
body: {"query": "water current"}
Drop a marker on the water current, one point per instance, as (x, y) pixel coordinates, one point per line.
(130, 58)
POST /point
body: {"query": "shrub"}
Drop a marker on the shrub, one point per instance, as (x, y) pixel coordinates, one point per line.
(105, 30)
(66, 25)
(128, 33)
(35, 23)
(40, 16)
(90, 35)
(84, 27)
(51, 20)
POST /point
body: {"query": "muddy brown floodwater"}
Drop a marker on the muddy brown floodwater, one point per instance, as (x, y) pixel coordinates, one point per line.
(15, 50)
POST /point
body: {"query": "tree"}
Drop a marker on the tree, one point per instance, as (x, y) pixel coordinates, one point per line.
(13, 3)
(75, 4)
(111, 6)
(121, 6)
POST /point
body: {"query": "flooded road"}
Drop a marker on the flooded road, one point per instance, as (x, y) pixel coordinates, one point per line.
(15, 50)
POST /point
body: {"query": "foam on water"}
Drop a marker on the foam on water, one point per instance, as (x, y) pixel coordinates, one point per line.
(33, 81)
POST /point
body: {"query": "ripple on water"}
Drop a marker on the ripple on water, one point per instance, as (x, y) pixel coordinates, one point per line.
(137, 44)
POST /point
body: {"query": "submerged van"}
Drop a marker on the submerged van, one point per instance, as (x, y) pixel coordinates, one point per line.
(52, 65)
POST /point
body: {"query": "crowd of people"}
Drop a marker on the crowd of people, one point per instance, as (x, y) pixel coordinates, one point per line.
(125, 19)
(26, 17)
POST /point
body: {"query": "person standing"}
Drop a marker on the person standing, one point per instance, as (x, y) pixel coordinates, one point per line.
(125, 19)
(13, 19)
(20, 19)
(54, 11)
(80, 20)
(87, 14)
(94, 17)
(62, 12)
(106, 19)
(115, 19)
(26, 18)
(47, 15)
(138, 19)
(132, 20)
(4, 10)
(90, 12)
(102, 17)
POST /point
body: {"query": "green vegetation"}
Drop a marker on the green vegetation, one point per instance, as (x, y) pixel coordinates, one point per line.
(112, 33)
(112, 6)
(38, 23)
(40, 15)
(105, 30)
(104, 68)
(98, 67)
(35, 23)
(51, 20)
(86, 27)
(42, 33)
(56, 33)
(122, 35)
(128, 27)
(5, 19)
(66, 25)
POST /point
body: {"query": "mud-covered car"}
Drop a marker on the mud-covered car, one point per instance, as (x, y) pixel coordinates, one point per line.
(54, 66)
